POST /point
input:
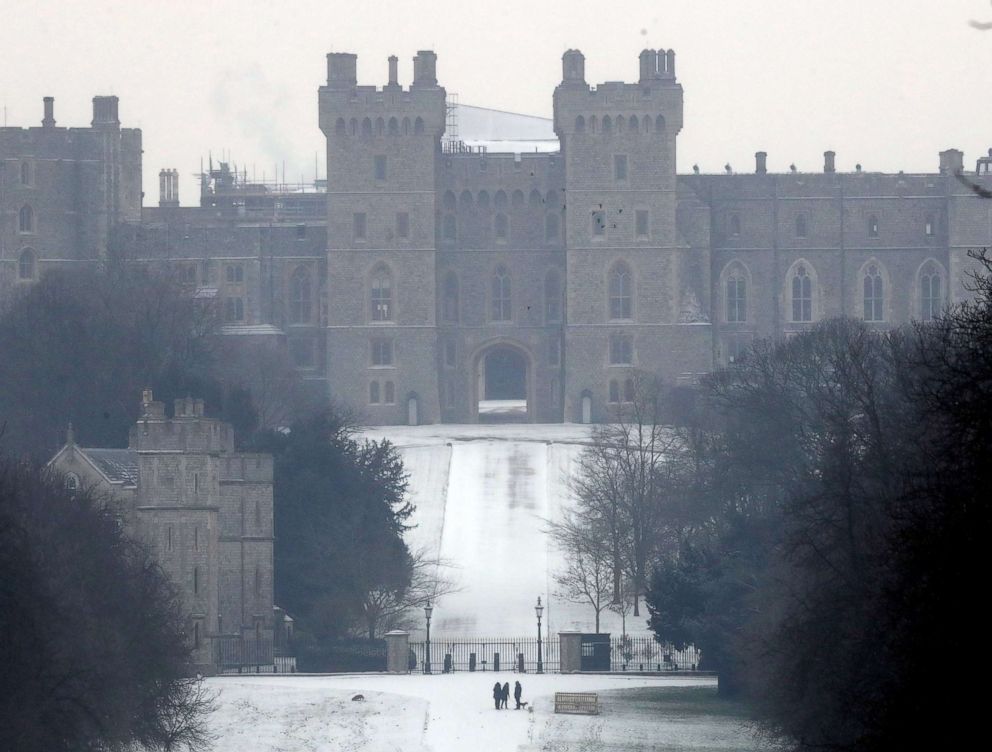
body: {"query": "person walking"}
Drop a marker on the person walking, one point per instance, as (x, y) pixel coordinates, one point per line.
(506, 694)
(497, 694)
(517, 692)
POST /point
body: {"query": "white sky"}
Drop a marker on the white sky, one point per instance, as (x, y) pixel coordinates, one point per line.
(884, 83)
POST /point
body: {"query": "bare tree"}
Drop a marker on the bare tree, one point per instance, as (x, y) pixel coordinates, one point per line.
(587, 577)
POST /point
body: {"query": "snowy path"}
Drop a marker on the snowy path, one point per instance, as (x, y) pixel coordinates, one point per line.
(440, 713)
(483, 496)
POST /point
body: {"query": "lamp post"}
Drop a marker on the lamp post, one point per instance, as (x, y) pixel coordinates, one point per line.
(428, 610)
(539, 609)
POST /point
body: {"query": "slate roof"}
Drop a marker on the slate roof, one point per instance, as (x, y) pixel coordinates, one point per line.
(120, 465)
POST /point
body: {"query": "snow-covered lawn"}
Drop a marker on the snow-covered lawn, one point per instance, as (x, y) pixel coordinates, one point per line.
(455, 713)
(484, 494)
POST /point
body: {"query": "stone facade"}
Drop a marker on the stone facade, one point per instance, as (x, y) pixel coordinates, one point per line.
(204, 510)
(430, 275)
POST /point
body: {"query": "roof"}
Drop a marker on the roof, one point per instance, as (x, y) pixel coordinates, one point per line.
(119, 465)
(250, 329)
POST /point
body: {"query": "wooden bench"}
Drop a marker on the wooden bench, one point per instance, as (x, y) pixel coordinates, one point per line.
(584, 703)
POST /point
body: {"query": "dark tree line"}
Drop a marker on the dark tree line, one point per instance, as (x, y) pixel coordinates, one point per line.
(92, 647)
(832, 573)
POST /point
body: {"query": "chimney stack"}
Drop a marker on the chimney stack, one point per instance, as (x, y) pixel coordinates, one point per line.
(168, 188)
(951, 161)
(49, 120)
(425, 68)
(342, 70)
(828, 161)
(393, 71)
(105, 111)
(573, 67)
(760, 162)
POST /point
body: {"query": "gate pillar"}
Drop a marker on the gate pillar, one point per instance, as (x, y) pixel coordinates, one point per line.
(398, 652)
(570, 651)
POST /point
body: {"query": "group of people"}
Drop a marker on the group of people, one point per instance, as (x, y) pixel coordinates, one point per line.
(501, 695)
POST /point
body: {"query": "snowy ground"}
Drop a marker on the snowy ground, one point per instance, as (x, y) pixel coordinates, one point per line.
(484, 494)
(455, 713)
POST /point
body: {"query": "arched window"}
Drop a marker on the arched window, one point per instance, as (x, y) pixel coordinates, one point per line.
(501, 227)
(580, 124)
(801, 229)
(382, 294)
(551, 224)
(418, 126)
(634, 124)
(449, 306)
(931, 291)
(646, 123)
(502, 305)
(607, 124)
(592, 123)
(340, 128)
(483, 199)
(367, 127)
(659, 123)
(71, 483)
(552, 297)
(353, 127)
(299, 296)
(735, 225)
(802, 294)
(380, 126)
(449, 200)
(394, 127)
(518, 199)
(621, 124)
(621, 292)
(872, 226)
(465, 199)
(25, 219)
(873, 293)
(534, 199)
(26, 264)
(499, 201)
(736, 303)
(406, 126)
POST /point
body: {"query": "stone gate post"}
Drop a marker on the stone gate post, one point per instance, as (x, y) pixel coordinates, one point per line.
(398, 652)
(570, 651)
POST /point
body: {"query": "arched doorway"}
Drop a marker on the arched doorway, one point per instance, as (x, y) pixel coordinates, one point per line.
(503, 385)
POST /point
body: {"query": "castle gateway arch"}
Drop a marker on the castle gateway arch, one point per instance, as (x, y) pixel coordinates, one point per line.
(503, 382)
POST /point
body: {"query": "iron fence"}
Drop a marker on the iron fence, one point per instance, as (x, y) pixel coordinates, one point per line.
(496, 654)
(647, 654)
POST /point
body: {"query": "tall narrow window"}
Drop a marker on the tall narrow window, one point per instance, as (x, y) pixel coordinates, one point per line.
(235, 274)
(552, 297)
(642, 228)
(359, 225)
(621, 350)
(619, 166)
(931, 286)
(382, 294)
(598, 223)
(930, 226)
(735, 225)
(374, 398)
(449, 304)
(168, 538)
(382, 352)
(299, 296)
(551, 227)
(621, 303)
(802, 295)
(26, 264)
(501, 227)
(196, 634)
(25, 219)
(874, 294)
(234, 309)
(403, 225)
(801, 229)
(736, 297)
(196, 580)
(389, 393)
(25, 173)
(872, 226)
(380, 167)
(614, 389)
(258, 581)
(501, 295)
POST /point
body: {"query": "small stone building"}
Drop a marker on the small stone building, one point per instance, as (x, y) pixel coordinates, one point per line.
(204, 510)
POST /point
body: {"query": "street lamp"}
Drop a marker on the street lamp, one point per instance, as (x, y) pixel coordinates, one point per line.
(539, 609)
(428, 610)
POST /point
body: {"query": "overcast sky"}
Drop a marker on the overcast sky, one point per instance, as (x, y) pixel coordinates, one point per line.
(884, 83)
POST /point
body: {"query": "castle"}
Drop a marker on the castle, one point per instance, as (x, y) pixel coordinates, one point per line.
(204, 510)
(433, 279)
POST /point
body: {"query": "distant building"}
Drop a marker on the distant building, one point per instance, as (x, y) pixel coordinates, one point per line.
(459, 258)
(204, 510)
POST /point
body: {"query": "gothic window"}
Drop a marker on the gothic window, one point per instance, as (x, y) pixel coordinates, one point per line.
(931, 287)
(735, 225)
(621, 301)
(580, 124)
(801, 229)
(501, 295)
(873, 294)
(367, 127)
(418, 126)
(659, 124)
(501, 227)
(634, 124)
(382, 294)
(394, 127)
(621, 124)
(382, 352)
(607, 124)
(71, 483)
(642, 226)
(619, 167)
(646, 123)
(449, 306)
(551, 227)
(406, 126)
(552, 297)
(353, 127)
(599, 223)
(26, 264)
(374, 398)
(25, 219)
(802, 294)
(736, 297)
(235, 274)
(299, 296)
(872, 226)
(380, 126)
(621, 350)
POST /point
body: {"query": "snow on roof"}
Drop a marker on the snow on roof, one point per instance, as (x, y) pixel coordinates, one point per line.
(250, 329)
(485, 124)
(119, 465)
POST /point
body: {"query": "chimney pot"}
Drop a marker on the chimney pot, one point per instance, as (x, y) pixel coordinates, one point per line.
(761, 162)
(49, 119)
(828, 161)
